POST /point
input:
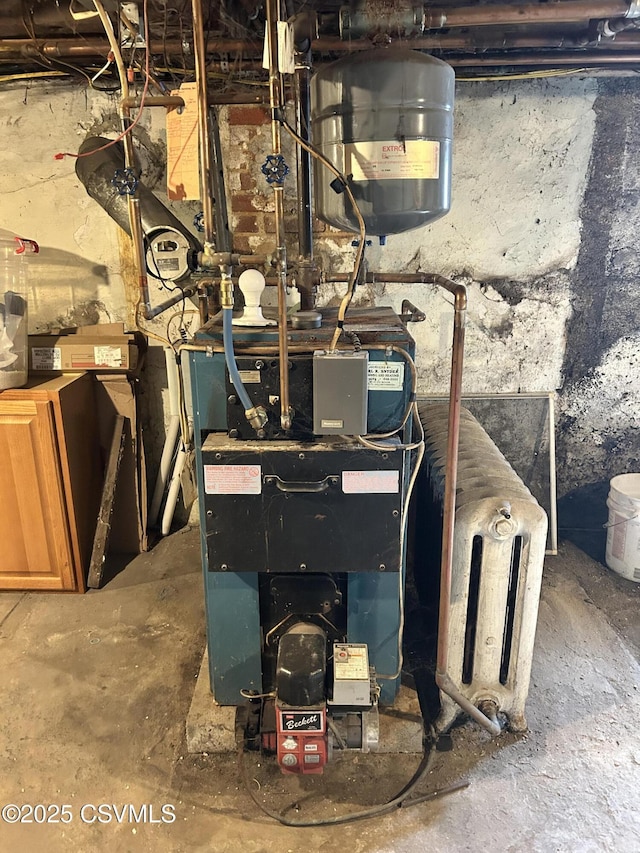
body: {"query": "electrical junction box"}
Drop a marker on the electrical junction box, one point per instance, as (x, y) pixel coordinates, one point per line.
(351, 678)
(340, 392)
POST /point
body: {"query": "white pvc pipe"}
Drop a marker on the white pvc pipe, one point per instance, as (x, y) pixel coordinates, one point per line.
(174, 489)
(172, 380)
(171, 437)
(165, 468)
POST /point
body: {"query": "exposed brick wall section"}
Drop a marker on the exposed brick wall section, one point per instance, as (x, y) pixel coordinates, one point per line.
(248, 115)
(250, 198)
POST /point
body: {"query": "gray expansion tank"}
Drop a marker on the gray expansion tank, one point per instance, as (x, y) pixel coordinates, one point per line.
(384, 116)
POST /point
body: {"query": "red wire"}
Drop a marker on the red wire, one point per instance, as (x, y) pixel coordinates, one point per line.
(62, 154)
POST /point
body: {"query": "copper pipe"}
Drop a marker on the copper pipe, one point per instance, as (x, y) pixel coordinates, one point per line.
(443, 679)
(99, 47)
(154, 101)
(605, 54)
(459, 293)
(276, 101)
(449, 41)
(548, 60)
(458, 290)
(203, 126)
(133, 202)
(565, 11)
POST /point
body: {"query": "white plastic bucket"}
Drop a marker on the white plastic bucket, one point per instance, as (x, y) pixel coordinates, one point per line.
(13, 309)
(623, 528)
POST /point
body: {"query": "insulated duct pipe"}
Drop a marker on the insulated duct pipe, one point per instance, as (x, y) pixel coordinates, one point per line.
(96, 173)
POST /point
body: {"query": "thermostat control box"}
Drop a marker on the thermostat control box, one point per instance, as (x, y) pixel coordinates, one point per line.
(340, 392)
(351, 677)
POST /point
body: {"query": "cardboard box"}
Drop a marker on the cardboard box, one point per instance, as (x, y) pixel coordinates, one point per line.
(105, 348)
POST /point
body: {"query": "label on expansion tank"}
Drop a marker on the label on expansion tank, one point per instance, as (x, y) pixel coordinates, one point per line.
(233, 479)
(393, 159)
(301, 721)
(371, 482)
(385, 376)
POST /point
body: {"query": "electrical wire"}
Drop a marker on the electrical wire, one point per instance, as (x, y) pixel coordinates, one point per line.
(400, 800)
(403, 535)
(526, 75)
(117, 55)
(412, 396)
(53, 63)
(181, 314)
(344, 181)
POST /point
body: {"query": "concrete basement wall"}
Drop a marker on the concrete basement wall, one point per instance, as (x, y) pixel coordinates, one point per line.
(546, 205)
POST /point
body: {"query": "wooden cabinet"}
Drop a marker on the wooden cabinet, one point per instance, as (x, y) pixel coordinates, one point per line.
(50, 482)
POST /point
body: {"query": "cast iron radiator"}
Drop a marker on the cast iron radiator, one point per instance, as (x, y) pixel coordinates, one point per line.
(498, 554)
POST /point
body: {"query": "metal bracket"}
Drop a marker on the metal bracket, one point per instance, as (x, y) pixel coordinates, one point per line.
(410, 314)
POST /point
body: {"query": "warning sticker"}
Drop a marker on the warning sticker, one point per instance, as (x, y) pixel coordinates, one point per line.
(385, 376)
(233, 479)
(407, 159)
(370, 482)
(107, 356)
(46, 358)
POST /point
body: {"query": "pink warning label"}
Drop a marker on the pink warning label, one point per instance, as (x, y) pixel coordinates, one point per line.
(370, 482)
(232, 479)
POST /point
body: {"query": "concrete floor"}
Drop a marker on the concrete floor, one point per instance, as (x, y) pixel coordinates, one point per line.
(96, 689)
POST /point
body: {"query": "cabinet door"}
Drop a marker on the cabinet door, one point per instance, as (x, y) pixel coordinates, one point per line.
(34, 535)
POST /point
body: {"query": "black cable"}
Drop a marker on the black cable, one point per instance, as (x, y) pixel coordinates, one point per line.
(400, 800)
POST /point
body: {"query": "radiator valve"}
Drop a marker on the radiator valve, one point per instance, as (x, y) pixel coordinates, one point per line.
(503, 525)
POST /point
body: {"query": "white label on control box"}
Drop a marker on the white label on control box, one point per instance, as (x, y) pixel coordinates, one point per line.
(385, 376)
(233, 479)
(107, 356)
(250, 377)
(46, 358)
(351, 662)
(370, 482)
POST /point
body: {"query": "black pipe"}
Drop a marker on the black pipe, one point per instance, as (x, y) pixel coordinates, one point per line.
(224, 240)
(306, 279)
(185, 293)
(305, 215)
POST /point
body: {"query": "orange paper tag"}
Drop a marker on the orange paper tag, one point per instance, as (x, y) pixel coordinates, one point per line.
(183, 181)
